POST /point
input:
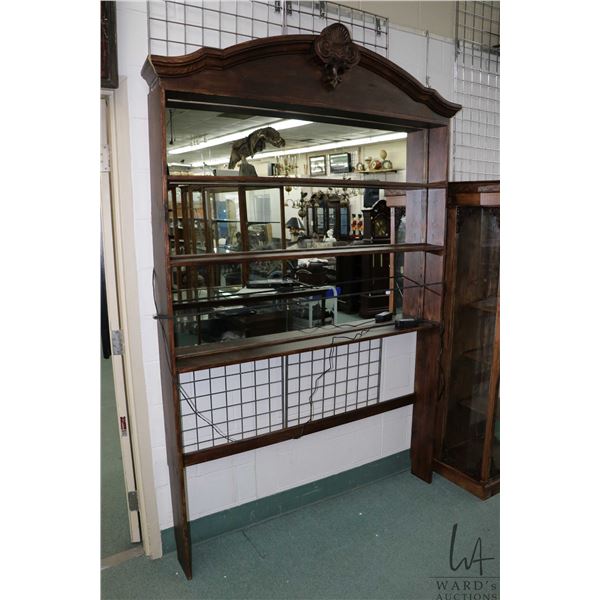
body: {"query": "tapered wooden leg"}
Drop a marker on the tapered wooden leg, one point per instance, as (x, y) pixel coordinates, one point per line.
(182, 526)
(178, 488)
(426, 400)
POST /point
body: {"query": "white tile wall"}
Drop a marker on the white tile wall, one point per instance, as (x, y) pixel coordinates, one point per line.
(220, 484)
(477, 126)
(398, 366)
(266, 471)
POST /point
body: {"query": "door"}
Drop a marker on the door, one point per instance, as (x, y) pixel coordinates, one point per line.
(113, 334)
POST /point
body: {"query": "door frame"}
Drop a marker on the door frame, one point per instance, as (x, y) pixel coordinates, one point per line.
(114, 324)
(123, 300)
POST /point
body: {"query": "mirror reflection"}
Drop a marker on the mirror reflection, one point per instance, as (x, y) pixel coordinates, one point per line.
(223, 301)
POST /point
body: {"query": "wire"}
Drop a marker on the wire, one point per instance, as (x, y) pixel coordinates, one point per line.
(314, 387)
(160, 318)
(199, 414)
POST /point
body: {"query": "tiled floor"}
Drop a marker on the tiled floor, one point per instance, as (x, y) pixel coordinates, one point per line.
(390, 539)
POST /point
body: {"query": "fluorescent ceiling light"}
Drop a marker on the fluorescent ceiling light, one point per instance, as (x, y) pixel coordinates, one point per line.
(232, 137)
(388, 137)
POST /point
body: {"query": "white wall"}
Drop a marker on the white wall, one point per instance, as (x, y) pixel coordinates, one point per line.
(227, 482)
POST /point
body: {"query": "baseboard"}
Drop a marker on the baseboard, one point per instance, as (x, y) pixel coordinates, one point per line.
(265, 508)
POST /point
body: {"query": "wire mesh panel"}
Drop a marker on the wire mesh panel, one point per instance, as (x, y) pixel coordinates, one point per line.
(477, 85)
(179, 27)
(236, 402)
(322, 383)
(225, 404)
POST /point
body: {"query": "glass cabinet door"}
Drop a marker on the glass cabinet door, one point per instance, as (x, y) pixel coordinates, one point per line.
(186, 221)
(265, 231)
(223, 212)
(474, 324)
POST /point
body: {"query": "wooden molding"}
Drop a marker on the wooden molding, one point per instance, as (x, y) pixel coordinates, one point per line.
(258, 50)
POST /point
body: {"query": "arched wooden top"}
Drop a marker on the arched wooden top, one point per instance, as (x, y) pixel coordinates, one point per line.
(325, 71)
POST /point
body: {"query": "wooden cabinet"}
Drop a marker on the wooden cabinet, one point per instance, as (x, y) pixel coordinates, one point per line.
(209, 236)
(468, 447)
(329, 212)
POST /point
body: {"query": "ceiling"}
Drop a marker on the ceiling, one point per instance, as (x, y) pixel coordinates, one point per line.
(193, 126)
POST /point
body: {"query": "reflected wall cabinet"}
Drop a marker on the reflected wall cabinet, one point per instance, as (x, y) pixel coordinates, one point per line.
(468, 441)
(239, 292)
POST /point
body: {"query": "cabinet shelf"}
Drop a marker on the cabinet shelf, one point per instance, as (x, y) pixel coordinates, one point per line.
(291, 342)
(246, 257)
(274, 182)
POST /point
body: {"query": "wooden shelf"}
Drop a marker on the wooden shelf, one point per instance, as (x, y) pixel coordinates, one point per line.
(246, 257)
(474, 193)
(272, 182)
(227, 353)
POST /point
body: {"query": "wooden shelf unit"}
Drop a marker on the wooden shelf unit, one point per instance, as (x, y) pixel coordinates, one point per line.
(288, 77)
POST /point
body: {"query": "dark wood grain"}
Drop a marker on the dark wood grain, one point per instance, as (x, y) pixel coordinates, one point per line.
(283, 69)
(489, 199)
(265, 348)
(164, 303)
(448, 332)
(109, 69)
(483, 490)
(474, 187)
(426, 397)
(416, 221)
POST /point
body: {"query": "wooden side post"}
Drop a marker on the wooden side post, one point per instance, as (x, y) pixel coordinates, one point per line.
(166, 336)
(424, 408)
(426, 213)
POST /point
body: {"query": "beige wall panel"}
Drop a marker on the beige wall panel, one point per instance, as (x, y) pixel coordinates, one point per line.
(433, 16)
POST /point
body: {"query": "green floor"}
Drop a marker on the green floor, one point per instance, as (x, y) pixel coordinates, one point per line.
(114, 522)
(389, 539)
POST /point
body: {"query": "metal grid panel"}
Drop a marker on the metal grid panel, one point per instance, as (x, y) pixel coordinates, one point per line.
(476, 138)
(178, 27)
(328, 382)
(227, 404)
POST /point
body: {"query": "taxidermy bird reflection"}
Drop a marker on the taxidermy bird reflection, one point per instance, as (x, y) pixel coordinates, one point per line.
(249, 146)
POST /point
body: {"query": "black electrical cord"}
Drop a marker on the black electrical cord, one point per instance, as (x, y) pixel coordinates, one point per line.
(160, 318)
(314, 387)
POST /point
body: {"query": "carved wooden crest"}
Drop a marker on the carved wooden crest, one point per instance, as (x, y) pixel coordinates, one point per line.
(336, 50)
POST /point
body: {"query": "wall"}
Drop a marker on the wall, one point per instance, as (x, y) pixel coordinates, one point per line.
(436, 17)
(396, 154)
(230, 481)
